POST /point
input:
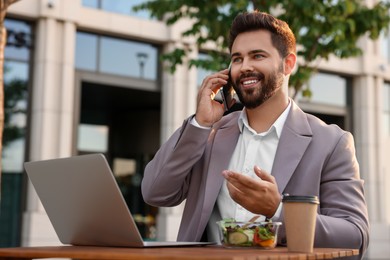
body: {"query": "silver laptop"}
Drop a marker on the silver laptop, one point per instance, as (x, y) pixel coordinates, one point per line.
(84, 204)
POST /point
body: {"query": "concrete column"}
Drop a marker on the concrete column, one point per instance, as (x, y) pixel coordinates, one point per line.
(366, 138)
(369, 146)
(51, 115)
(179, 92)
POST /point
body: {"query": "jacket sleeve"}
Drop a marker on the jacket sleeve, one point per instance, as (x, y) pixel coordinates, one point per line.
(166, 176)
(343, 219)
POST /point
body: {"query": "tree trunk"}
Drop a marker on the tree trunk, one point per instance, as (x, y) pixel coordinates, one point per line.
(3, 40)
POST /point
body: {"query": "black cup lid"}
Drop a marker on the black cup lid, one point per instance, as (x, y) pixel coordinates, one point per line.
(307, 199)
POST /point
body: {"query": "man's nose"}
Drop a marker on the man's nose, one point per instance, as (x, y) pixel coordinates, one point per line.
(246, 66)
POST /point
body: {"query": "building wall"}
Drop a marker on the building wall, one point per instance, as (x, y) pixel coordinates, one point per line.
(53, 105)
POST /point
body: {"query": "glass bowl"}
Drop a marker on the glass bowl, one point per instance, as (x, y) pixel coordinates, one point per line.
(248, 234)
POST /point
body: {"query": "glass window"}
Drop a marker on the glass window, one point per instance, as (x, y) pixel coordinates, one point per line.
(86, 51)
(116, 56)
(16, 67)
(385, 42)
(128, 58)
(19, 40)
(92, 138)
(91, 3)
(328, 89)
(118, 6)
(385, 46)
(386, 108)
(124, 167)
(124, 7)
(16, 78)
(202, 73)
(15, 108)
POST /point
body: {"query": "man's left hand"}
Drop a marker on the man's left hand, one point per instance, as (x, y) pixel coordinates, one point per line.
(257, 195)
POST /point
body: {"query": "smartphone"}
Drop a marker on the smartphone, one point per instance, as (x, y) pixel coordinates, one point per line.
(227, 96)
(227, 92)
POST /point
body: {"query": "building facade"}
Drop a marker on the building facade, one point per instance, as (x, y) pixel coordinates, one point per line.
(84, 76)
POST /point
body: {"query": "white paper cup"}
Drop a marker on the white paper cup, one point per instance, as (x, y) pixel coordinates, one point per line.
(300, 214)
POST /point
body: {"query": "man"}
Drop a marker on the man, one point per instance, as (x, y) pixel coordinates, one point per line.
(221, 164)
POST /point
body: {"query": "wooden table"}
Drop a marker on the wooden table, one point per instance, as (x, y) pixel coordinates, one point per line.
(190, 253)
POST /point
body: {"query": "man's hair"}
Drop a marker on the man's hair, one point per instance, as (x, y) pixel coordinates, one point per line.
(282, 37)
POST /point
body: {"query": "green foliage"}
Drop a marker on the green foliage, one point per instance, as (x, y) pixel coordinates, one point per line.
(322, 28)
(174, 57)
(14, 92)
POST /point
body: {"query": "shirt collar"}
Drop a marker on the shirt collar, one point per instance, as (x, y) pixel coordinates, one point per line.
(277, 125)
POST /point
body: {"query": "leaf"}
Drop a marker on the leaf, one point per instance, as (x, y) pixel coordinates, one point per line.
(322, 28)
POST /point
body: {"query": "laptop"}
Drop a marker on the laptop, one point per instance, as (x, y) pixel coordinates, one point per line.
(85, 205)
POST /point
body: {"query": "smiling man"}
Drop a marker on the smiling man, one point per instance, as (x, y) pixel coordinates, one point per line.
(238, 165)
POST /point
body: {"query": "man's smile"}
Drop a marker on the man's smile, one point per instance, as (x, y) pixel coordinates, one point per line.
(250, 82)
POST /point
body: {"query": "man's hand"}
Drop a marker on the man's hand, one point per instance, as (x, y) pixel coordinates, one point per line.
(208, 110)
(259, 196)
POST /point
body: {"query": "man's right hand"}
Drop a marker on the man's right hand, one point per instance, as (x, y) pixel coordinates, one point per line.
(208, 110)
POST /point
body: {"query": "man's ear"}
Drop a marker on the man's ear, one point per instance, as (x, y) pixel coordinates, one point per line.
(289, 63)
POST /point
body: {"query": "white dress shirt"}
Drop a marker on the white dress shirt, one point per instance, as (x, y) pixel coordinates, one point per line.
(252, 149)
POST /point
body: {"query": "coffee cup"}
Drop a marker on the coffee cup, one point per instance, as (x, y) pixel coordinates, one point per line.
(300, 214)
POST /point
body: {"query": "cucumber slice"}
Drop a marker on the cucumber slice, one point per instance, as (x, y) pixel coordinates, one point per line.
(236, 238)
(250, 233)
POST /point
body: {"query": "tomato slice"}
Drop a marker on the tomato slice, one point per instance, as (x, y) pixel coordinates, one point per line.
(263, 243)
(267, 243)
(256, 237)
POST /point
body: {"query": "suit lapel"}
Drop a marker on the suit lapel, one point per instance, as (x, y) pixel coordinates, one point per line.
(294, 140)
(225, 141)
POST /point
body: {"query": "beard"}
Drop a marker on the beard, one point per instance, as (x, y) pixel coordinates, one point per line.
(254, 97)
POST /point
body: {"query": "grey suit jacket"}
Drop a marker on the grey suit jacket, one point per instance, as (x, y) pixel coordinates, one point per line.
(312, 158)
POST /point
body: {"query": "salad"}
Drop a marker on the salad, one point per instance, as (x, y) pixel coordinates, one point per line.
(246, 234)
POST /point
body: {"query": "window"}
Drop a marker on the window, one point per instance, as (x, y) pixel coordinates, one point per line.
(202, 73)
(330, 89)
(385, 46)
(128, 58)
(385, 42)
(86, 51)
(386, 108)
(331, 99)
(15, 91)
(91, 3)
(16, 79)
(116, 56)
(118, 6)
(92, 138)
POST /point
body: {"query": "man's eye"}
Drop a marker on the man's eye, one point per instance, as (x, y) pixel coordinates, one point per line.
(235, 60)
(258, 56)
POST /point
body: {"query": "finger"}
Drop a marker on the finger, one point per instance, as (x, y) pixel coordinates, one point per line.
(216, 87)
(216, 75)
(233, 189)
(264, 175)
(245, 198)
(212, 87)
(213, 79)
(240, 181)
(236, 194)
(209, 92)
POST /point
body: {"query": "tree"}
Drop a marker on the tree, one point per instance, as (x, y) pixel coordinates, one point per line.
(4, 4)
(15, 91)
(322, 28)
